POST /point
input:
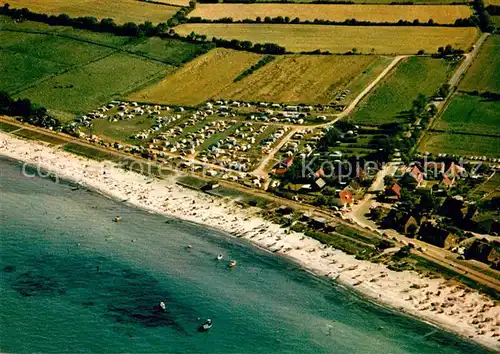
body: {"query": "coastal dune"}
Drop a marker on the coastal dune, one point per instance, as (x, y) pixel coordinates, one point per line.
(447, 304)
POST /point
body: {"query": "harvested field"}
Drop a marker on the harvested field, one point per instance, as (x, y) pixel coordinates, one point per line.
(341, 39)
(299, 79)
(393, 98)
(471, 114)
(121, 11)
(484, 74)
(461, 144)
(200, 79)
(442, 14)
(387, 2)
(82, 89)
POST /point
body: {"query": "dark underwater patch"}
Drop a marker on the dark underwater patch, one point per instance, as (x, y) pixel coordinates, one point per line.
(34, 284)
(9, 269)
(124, 294)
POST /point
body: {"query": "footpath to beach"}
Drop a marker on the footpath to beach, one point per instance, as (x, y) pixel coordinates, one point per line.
(447, 304)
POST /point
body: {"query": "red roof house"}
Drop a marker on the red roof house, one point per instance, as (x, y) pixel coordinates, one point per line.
(393, 191)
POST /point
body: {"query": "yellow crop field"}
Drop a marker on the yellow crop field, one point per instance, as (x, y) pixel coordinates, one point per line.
(199, 79)
(299, 79)
(340, 39)
(121, 10)
(443, 14)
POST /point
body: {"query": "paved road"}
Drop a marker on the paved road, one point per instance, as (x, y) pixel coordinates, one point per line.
(367, 89)
(469, 58)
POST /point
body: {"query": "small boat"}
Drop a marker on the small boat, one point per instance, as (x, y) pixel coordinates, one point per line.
(206, 326)
(163, 306)
(219, 257)
(232, 264)
(117, 219)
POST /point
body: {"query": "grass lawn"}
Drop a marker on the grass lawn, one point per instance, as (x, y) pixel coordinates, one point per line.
(29, 134)
(460, 144)
(340, 39)
(471, 114)
(89, 152)
(83, 89)
(484, 74)
(394, 97)
(121, 130)
(6, 127)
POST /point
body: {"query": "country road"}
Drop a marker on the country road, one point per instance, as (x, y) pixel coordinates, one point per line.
(469, 58)
(259, 170)
(367, 89)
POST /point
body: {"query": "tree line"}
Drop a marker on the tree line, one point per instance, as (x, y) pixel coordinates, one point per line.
(482, 19)
(27, 112)
(146, 29)
(265, 48)
(267, 59)
(460, 22)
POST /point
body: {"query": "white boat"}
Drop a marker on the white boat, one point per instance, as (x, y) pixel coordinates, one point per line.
(219, 257)
(206, 326)
(232, 264)
(163, 306)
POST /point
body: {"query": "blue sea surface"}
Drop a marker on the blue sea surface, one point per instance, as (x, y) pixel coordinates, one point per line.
(74, 281)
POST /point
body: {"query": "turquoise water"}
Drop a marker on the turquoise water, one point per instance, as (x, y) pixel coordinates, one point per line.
(74, 281)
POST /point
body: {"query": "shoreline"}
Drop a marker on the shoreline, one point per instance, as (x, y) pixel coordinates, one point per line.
(438, 302)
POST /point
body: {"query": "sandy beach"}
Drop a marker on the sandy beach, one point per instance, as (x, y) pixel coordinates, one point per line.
(446, 304)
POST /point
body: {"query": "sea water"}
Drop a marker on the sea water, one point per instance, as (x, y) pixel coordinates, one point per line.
(74, 281)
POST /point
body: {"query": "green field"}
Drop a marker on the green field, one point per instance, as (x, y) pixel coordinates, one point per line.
(121, 130)
(168, 50)
(73, 71)
(461, 144)
(484, 74)
(471, 114)
(393, 98)
(83, 89)
(6, 24)
(26, 58)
